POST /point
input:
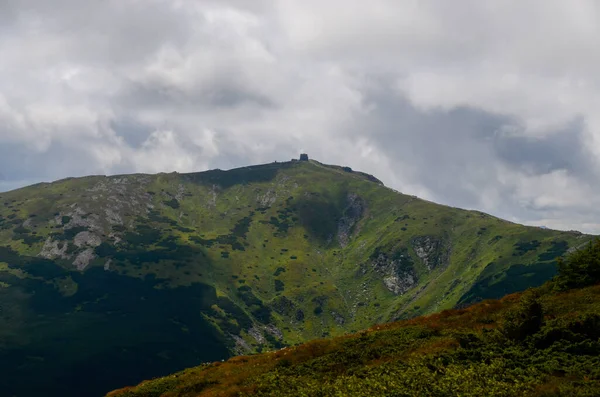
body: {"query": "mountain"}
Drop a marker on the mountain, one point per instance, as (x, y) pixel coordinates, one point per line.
(106, 281)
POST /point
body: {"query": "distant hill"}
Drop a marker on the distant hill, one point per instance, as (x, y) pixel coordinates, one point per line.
(106, 281)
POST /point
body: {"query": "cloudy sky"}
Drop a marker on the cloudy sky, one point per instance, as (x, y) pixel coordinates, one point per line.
(489, 105)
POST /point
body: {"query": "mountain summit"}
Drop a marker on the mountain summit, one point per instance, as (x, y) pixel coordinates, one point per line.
(105, 281)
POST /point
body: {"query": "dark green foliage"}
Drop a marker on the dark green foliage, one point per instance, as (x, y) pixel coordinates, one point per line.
(28, 237)
(580, 268)
(65, 220)
(144, 236)
(495, 239)
(283, 305)
(245, 175)
(523, 247)
(68, 234)
(242, 226)
(279, 285)
(558, 248)
(129, 323)
(173, 203)
(517, 278)
(319, 216)
(246, 295)
(523, 320)
(118, 228)
(240, 230)
(262, 314)
(279, 271)
(155, 216)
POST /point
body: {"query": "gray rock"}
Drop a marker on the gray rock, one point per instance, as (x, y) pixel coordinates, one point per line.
(53, 249)
(84, 258)
(267, 199)
(241, 346)
(86, 239)
(431, 251)
(256, 334)
(398, 272)
(274, 331)
(339, 319)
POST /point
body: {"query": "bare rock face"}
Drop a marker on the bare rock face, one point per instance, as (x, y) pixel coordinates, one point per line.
(256, 334)
(241, 346)
(53, 249)
(267, 199)
(431, 251)
(275, 332)
(78, 217)
(399, 284)
(352, 214)
(397, 270)
(86, 239)
(84, 258)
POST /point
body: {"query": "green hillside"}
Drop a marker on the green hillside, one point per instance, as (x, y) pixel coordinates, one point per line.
(540, 343)
(543, 342)
(106, 281)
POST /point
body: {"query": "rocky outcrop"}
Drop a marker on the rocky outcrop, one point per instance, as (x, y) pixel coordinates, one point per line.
(274, 331)
(267, 199)
(397, 270)
(256, 333)
(53, 249)
(338, 318)
(431, 251)
(241, 346)
(84, 258)
(86, 239)
(352, 214)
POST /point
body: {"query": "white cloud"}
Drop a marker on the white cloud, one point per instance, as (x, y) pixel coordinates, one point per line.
(488, 105)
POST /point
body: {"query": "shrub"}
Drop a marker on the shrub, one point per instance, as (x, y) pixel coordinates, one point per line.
(579, 269)
(524, 319)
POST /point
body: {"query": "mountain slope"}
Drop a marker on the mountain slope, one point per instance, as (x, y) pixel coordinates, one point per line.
(467, 352)
(107, 281)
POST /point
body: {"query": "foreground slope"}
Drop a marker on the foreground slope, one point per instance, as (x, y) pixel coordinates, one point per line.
(106, 281)
(468, 352)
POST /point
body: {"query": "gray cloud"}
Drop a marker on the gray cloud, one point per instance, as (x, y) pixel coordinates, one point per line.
(481, 105)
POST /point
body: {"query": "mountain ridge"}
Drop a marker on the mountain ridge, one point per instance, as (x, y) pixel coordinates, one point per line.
(264, 256)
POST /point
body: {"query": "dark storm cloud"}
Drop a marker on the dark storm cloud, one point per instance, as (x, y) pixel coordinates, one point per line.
(450, 152)
(561, 149)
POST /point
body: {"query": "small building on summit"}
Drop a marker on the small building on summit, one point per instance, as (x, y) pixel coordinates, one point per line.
(304, 157)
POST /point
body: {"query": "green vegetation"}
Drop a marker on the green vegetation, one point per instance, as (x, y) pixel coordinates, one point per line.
(538, 343)
(171, 270)
(582, 268)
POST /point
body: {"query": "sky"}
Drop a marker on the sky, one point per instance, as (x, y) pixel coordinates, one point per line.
(488, 105)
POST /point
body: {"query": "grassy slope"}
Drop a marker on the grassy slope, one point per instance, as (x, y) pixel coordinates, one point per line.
(253, 252)
(455, 352)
